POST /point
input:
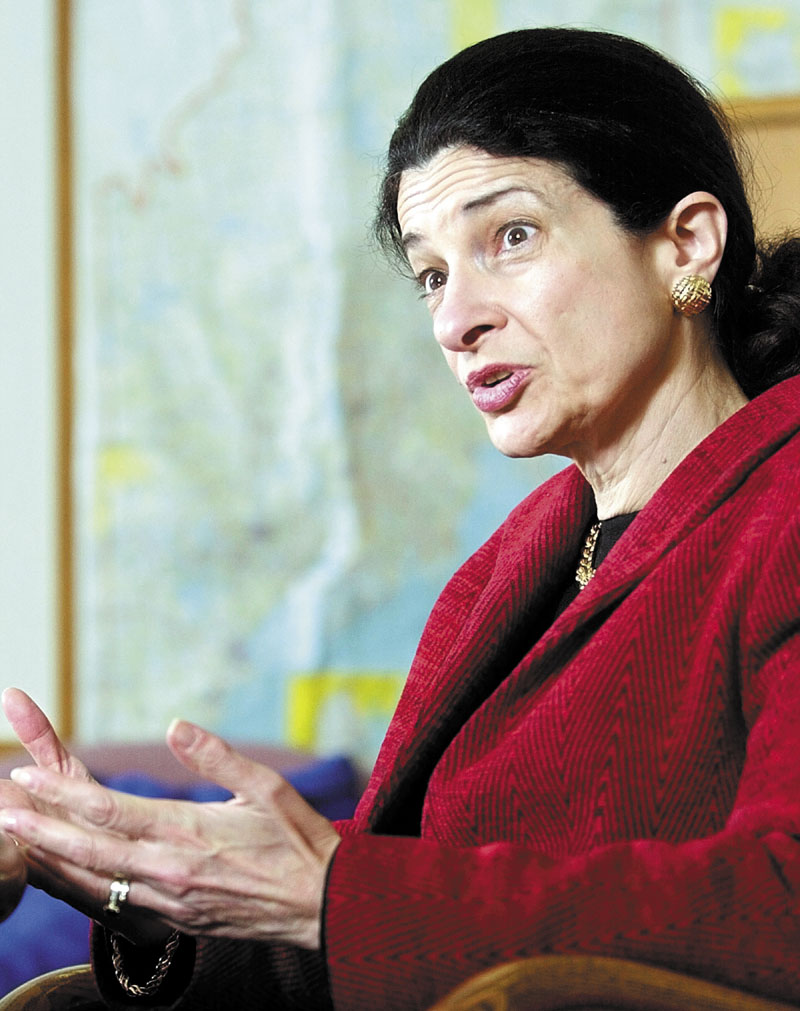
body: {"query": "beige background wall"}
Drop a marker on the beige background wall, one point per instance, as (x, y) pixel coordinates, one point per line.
(28, 463)
(771, 129)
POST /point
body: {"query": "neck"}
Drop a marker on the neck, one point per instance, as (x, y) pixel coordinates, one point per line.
(625, 473)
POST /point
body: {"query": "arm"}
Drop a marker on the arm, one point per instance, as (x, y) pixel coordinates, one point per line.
(410, 917)
(414, 917)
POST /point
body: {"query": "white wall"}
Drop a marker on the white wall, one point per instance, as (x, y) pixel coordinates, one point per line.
(27, 361)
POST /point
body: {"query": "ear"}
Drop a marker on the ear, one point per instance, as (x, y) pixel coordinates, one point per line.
(695, 232)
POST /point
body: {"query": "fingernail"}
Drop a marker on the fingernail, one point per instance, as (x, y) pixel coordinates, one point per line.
(22, 777)
(7, 820)
(183, 734)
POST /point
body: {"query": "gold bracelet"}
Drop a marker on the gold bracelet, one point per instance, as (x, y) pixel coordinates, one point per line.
(162, 967)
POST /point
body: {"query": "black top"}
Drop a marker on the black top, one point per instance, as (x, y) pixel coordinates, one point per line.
(610, 532)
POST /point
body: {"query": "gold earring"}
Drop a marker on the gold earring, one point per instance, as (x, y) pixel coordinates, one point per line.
(691, 294)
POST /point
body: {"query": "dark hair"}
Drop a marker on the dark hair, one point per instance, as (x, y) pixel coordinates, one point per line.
(633, 129)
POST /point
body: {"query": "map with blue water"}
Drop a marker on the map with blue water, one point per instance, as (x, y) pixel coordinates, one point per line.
(275, 470)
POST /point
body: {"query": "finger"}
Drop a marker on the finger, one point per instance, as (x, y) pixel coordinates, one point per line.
(88, 804)
(78, 865)
(89, 893)
(85, 802)
(12, 795)
(79, 888)
(37, 735)
(88, 854)
(68, 841)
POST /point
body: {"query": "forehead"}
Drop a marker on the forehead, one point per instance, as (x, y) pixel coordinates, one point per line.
(458, 180)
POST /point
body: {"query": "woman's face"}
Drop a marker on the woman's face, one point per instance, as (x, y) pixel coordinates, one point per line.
(556, 321)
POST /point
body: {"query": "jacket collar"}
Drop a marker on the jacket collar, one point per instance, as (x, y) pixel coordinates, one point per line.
(508, 634)
(708, 476)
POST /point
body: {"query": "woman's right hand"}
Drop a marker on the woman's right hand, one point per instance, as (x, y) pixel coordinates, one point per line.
(39, 738)
(12, 875)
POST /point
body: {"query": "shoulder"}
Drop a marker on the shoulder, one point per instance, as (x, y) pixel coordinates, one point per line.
(551, 514)
(766, 439)
(752, 459)
(546, 516)
(551, 505)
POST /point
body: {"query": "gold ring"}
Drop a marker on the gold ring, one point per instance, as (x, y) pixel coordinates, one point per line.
(117, 895)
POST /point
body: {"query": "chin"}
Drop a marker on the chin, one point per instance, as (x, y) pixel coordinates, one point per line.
(514, 442)
(520, 449)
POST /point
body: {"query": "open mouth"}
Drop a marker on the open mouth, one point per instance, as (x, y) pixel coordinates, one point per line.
(489, 376)
(496, 379)
(496, 389)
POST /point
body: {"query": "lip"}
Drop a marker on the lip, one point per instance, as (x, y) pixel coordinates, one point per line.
(495, 397)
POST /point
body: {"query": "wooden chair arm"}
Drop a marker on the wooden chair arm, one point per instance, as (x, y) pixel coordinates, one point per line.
(545, 983)
(71, 989)
(591, 983)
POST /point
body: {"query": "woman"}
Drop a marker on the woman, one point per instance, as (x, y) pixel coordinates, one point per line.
(595, 750)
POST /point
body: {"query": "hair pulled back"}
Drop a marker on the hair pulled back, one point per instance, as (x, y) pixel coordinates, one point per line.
(634, 130)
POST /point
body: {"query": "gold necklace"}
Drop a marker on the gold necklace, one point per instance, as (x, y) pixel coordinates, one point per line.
(585, 567)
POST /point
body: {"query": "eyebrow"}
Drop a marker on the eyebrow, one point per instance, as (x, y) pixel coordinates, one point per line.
(487, 200)
(496, 195)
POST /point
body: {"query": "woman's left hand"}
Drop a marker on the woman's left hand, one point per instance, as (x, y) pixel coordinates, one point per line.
(252, 867)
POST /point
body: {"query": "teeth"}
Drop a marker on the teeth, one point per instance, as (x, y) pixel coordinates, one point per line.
(497, 379)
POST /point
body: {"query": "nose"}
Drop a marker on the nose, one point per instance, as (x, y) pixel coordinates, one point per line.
(465, 312)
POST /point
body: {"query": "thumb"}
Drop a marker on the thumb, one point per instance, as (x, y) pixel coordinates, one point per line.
(214, 759)
(255, 784)
(37, 735)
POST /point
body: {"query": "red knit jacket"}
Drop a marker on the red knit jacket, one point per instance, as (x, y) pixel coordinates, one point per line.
(622, 780)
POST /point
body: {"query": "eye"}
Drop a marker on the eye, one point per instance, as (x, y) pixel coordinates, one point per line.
(515, 235)
(431, 281)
